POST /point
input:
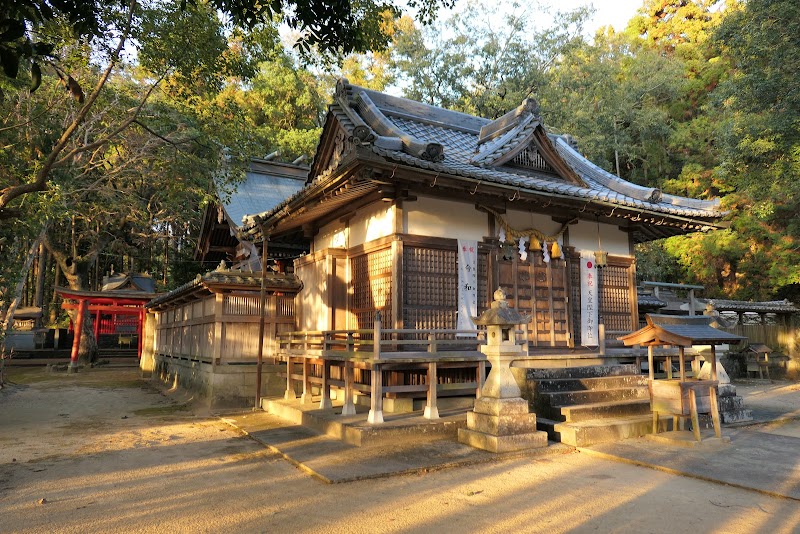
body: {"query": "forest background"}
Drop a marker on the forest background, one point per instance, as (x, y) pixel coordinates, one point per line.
(117, 117)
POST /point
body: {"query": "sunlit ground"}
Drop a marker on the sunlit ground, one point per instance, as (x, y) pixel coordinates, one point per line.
(162, 469)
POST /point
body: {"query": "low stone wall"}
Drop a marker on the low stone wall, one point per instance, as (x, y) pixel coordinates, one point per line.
(221, 386)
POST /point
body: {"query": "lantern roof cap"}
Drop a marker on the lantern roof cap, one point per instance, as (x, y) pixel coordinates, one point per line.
(500, 314)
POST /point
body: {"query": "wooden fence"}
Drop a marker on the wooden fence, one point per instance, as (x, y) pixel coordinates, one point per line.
(222, 328)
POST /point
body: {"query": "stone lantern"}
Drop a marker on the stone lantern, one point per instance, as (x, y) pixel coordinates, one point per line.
(500, 421)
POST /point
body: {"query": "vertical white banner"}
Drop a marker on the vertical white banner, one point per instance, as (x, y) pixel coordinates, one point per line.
(589, 303)
(467, 284)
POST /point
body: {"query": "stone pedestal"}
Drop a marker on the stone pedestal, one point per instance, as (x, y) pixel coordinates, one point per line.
(501, 425)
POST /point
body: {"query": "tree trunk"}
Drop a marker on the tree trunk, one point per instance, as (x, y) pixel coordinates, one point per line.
(38, 299)
(9, 320)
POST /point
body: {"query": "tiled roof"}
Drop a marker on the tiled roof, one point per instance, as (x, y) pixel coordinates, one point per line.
(772, 306)
(241, 279)
(264, 188)
(444, 141)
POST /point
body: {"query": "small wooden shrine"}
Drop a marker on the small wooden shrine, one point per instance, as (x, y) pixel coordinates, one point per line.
(682, 397)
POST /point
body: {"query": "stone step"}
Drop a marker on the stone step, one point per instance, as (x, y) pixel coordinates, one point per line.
(586, 433)
(569, 398)
(604, 410)
(551, 385)
(355, 430)
(596, 371)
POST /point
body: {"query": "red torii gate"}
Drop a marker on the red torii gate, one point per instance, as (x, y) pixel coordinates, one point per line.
(114, 303)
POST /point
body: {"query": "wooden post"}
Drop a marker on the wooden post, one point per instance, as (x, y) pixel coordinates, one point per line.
(325, 402)
(349, 408)
(375, 415)
(682, 364)
(376, 337)
(262, 306)
(289, 395)
(431, 408)
(376, 390)
(305, 398)
(693, 411)
(715, 411)
(76, 342)
(650, 368)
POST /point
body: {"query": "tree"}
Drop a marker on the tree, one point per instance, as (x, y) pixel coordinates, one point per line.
(139, 159)
(469, 65)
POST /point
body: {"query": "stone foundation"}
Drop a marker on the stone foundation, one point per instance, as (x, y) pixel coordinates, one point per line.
(221, 386)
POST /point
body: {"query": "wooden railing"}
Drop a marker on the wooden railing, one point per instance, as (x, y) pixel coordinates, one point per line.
(356, 360)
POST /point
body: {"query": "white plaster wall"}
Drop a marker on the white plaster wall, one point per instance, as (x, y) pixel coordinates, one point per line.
(583, 236)
(310, 303)
(367, 225)
(444, 218)
(371, 223)
(332, 235)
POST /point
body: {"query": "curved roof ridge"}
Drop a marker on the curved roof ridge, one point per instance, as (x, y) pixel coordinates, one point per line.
(605, 178)
(374, 117)
(504, 147)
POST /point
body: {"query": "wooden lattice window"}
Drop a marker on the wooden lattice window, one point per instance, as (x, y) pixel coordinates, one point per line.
(430, 299)
(372, 286)
(616, 305)
(430, 295)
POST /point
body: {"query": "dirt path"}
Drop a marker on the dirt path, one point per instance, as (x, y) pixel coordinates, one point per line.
(109, 453)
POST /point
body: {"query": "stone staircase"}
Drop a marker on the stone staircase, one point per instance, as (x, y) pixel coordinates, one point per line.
(581, 406)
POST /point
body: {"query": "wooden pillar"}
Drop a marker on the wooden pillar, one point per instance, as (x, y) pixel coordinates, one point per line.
(76, 342)
(289, 394)
(432, 409)
(682, 364)
(375, 415)
(305, 398)
(349, 408)
(376, 390)
(262, 306)
(325, 402)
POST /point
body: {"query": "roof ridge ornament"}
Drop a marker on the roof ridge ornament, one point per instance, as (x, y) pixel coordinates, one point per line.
(498, 127)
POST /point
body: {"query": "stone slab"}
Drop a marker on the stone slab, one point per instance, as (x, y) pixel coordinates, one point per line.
(686, 439)
(753, 460)
(494, 406)
(502, 425)
(489, 442)
(334, 461)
